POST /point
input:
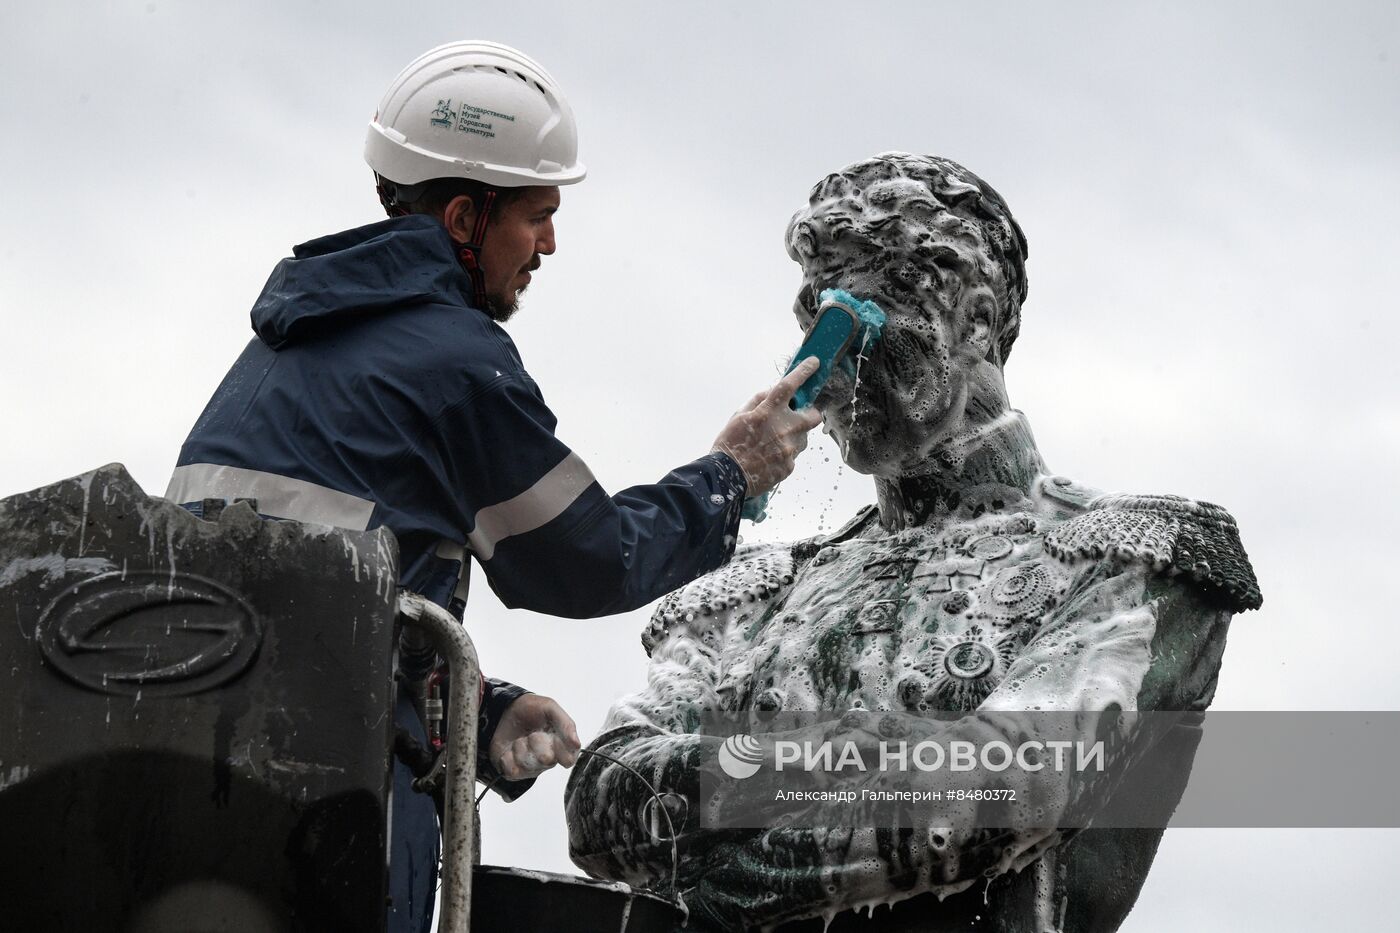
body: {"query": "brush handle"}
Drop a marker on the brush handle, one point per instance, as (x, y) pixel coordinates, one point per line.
(833, 332)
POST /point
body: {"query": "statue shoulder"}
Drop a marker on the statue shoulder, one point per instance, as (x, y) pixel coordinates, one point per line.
(1173, 535)
(755, 573)
(1065, 497)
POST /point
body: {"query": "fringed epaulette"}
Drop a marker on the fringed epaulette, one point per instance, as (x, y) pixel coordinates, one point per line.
(1172, 534)
(755, 573)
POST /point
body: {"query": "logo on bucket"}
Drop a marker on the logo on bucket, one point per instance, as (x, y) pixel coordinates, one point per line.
(740, 756)
(164, 633)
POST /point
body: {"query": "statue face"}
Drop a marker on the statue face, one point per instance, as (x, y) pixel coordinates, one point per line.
(934, 276)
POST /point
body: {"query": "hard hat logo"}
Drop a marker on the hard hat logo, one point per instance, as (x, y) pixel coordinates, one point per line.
(477, 110)
(444, 115)
(468, 119)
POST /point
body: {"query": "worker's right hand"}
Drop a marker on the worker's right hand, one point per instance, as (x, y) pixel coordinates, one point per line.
(765, 436)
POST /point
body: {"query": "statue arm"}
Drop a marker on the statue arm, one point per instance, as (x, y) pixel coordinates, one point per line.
(611, 831)
(654, 733)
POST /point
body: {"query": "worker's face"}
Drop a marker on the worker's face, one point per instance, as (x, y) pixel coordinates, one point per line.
(930, 273)
(518, 235)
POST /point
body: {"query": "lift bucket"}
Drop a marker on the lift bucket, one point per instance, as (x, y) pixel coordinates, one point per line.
(196, 725)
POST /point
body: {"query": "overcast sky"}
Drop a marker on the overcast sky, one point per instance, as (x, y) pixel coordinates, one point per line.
(1209, 190)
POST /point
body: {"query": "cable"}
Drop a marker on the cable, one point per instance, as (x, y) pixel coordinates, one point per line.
(675, 854)
(486, 790)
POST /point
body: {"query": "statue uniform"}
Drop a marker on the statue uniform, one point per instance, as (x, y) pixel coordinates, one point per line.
(1038, 595)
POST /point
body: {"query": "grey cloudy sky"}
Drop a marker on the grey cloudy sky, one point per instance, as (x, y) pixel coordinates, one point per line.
(1209, 190)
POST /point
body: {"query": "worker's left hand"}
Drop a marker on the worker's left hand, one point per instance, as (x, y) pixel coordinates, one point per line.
(534, 735)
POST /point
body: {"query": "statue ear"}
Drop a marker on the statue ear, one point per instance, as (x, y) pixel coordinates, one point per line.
(977, 330)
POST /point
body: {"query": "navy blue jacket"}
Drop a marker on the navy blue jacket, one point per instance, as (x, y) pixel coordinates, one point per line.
(375, 394)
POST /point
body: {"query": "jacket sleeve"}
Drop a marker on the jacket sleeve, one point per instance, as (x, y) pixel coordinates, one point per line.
(550, 538)
(497, 696)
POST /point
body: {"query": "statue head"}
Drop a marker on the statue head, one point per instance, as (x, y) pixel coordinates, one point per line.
(937, 248)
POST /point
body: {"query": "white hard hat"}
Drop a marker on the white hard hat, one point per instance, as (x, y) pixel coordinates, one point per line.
(477, 110)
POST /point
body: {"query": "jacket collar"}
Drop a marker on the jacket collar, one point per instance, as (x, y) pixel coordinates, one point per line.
(354, 273)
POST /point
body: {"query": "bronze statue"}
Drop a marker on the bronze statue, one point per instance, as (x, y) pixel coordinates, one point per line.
(978, 582)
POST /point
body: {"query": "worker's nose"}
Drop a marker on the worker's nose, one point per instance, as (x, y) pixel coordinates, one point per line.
(545, 244)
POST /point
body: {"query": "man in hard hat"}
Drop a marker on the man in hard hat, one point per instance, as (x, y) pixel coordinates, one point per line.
(381, 390)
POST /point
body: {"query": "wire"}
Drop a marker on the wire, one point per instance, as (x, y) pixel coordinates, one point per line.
(486, 790)
(675, 854)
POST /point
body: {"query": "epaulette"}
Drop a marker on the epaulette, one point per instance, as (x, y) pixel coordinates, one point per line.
(1172, 534)
(804, 549)
(1070, 498)
(756, 572)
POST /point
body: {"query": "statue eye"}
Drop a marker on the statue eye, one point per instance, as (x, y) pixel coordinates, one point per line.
(838, 225)
(945, 257)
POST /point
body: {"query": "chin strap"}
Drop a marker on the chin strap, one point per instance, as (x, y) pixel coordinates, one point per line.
(388, 197)
(469, 255)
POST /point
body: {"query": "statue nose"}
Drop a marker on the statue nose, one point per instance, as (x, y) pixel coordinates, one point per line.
(802, 241)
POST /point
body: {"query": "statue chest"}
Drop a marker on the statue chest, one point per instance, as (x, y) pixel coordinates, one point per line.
(925, 619)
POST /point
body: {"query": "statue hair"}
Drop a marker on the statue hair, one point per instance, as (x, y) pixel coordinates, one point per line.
(846, 203)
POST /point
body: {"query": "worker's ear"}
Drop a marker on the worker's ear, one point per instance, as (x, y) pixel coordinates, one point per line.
(459, 217)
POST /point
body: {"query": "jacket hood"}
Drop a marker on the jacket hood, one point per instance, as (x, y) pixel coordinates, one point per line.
(348, 275)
